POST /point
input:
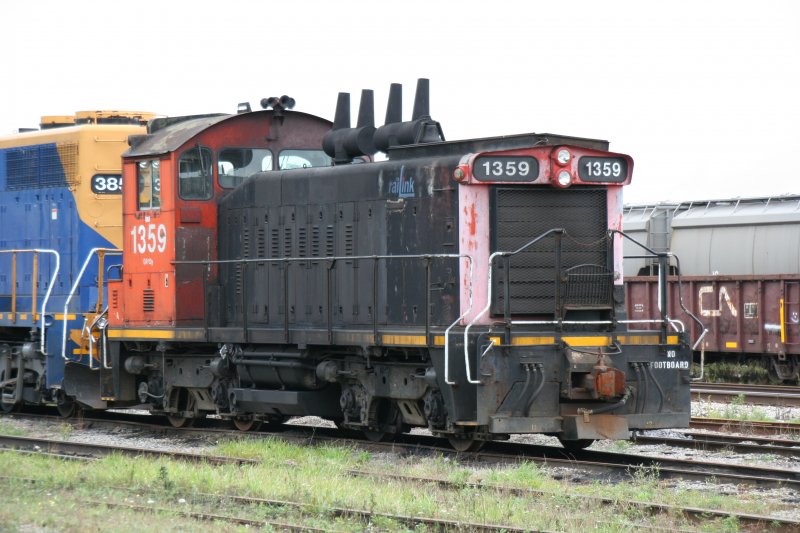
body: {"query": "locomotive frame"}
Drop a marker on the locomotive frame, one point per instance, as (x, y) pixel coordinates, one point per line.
(470, 287)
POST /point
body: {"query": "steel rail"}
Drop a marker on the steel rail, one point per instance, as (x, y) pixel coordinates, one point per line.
(713, 442)
(42, 445)
(693, 513)
(599, 462)
(746, 426)
(440, 524)
(776, 395)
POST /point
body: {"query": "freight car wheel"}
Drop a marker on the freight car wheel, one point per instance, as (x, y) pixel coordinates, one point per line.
(466, 444)
(246, 423)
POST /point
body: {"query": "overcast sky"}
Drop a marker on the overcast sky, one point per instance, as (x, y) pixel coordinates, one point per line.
(702, 94)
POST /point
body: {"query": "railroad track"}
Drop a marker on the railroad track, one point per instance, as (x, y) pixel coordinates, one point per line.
(774, 395)
(85, 450)
(216, 501)
(739, 444)
(727, 425)
(88, 451)
(598, 465)
(696, 514)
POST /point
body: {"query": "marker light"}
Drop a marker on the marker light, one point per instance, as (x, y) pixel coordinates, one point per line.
(563, 156)
(564, 178)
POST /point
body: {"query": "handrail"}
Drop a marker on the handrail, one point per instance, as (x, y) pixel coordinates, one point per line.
(333, 259)
(481, 314)
(35, 284)
(663, 259)
(101, 253)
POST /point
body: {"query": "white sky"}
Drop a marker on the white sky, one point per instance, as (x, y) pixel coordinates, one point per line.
(702, 94)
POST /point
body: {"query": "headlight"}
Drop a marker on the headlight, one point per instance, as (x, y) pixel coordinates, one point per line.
(564, 178)
(563, 156)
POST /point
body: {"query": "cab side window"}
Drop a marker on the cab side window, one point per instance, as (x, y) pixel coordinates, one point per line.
(235, 164)
(289, 159)
(195, 174)
(148, 180)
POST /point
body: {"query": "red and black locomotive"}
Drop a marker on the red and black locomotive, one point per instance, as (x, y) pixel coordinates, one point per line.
(271, 268)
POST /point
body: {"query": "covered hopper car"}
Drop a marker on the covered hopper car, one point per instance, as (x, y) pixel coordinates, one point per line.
(740, 275)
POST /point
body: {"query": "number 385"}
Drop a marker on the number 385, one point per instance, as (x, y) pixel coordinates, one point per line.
(107, 184)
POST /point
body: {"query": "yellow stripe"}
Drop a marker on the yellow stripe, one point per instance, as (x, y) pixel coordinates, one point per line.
(529, 341)
(405, 340)
(782, 313)
(37, 316)
(438, 340)
(587, 341)
(645, 339)
(156, 334)
(730, 344)
(592, 340)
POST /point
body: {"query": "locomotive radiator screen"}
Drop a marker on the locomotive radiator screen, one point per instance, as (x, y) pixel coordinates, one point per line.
(541, 279)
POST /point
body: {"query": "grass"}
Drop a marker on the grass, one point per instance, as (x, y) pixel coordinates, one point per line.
(320, 477)
(738, 409)
(12, 431)
(727, 372)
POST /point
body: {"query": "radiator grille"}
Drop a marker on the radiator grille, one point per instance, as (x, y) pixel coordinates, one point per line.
(584, 280)
(44, 165)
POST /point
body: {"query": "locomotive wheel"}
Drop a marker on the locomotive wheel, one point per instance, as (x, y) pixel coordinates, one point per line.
(378, 436)
(8, 392)
(577, 444)
(466, 444)
(390, 422)
(67, 408)
(7, 408)
(180, 421)
(183, 401)
(246, 423)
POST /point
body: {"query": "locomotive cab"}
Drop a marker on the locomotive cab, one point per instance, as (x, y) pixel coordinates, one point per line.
(172, 185)
(174, 178)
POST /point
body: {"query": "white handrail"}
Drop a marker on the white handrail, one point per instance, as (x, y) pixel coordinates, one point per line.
(74, 288)
(478, 317)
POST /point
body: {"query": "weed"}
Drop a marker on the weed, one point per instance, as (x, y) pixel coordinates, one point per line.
(163, 478)
(725, 372)
(65, 430)
(459, 478)
(622, 445)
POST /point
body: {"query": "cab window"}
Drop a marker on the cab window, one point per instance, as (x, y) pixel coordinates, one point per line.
(235, 164)
(289, 159)
(195, 174)
(148, 180)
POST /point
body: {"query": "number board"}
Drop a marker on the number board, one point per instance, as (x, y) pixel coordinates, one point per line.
(106, 184)
(603, 169)
(505, 168)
